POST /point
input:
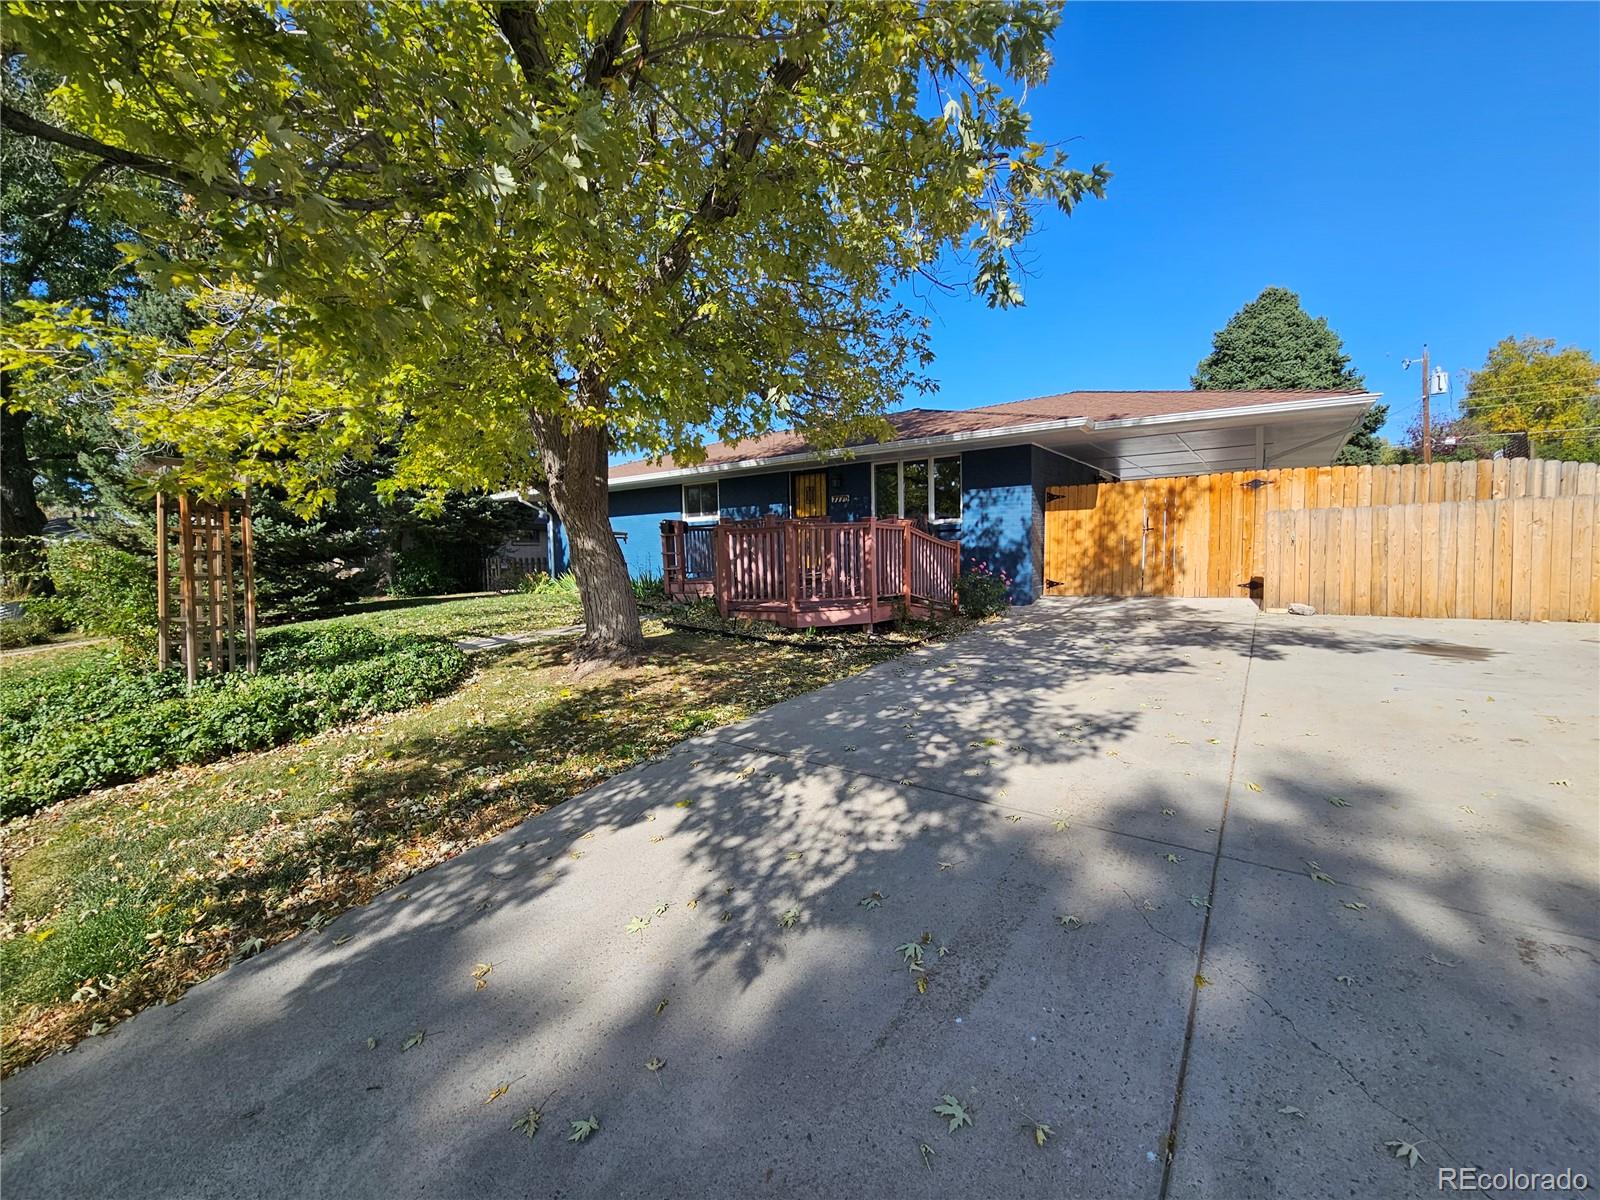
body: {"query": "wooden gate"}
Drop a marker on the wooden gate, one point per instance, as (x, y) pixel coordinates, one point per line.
(1206, 535)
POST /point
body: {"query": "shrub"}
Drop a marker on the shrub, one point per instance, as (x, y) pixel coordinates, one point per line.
(103, 590)
(419, 572)
(562, 587)
(982, 591)
(36, 624)
(649, 589)
(531, 582)
(103, 720)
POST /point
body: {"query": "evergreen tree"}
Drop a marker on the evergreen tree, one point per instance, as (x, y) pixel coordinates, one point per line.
(1274, 343)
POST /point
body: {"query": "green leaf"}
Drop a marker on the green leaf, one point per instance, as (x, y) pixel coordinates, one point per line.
(584, 1129)
(414, 1040)
(528, 1122)
(953, 1111)
(1407, 1151)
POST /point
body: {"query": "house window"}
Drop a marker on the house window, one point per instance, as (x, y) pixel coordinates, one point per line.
(886, 490)
(929, 488)
(701, 502)
(947, 488)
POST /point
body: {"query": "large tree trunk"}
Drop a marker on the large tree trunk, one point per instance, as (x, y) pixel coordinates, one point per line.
(22, 562)
(575, 463)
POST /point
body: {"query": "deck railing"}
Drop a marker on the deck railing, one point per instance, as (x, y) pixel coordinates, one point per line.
(802, 572)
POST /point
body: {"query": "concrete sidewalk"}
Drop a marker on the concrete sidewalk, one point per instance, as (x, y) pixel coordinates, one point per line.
(1080, 759)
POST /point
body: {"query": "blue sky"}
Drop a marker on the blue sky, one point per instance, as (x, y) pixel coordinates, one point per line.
(1425, 172)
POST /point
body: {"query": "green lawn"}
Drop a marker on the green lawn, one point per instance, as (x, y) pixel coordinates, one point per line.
(129, 895)
(469, 616)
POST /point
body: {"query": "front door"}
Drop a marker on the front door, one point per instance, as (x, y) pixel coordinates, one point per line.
(811, 494)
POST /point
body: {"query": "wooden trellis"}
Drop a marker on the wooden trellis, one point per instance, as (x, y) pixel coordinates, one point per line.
(215, 585)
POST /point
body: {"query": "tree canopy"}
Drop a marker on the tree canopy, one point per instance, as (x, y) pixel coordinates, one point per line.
(1527, 386)
(514, 238)
(1272, 342)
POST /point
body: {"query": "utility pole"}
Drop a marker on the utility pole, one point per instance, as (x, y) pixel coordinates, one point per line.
(1427, 386)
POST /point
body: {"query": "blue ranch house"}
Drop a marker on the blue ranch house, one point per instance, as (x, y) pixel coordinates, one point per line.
(977, 476)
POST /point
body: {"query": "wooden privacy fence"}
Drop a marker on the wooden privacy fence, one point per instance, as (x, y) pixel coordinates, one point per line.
(1532, 559)
(1207, 535)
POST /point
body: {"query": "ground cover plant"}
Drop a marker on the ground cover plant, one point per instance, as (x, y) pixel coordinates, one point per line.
(106, 717)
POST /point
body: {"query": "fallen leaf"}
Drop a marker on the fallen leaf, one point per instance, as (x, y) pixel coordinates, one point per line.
(499, 1091)
(1254, 787)
(944, 866)
(1199, 902)
(1041, 1132)
(922, 985)
(1407, 1151)
(927, 1154)
(953, 1111)
(911, 952)
(339, 941)
(655, 1064)
(1318, 873)
(1355, 905)
(1560, 783)
(1347, 980)
(415, 1039)
(1439, 962)
(372, 1043)
(528, 1122)
(581, 1130)
(662, 1007)
(1173, 858)
(1169, 812)
(1201, 981)
(1338, 802)
(1070, 922)
(638, 924)
(789, 919)
(660, 837)
(871, 900)
(1013, 817)
(1289, 1110)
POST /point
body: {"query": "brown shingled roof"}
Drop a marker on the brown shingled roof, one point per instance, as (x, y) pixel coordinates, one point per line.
(914, 423)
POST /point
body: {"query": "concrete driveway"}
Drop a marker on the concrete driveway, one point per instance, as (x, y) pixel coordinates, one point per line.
(1160, 772)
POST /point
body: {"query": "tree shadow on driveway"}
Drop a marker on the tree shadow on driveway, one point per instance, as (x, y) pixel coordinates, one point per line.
(1071, 762)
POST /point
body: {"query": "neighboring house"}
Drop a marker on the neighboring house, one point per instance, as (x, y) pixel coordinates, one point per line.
(979, 475)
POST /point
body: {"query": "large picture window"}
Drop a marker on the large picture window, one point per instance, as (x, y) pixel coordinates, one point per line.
(701, 501)
(929, 488)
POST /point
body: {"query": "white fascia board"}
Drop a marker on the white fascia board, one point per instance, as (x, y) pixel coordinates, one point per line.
(971, 438)
(1284, 408)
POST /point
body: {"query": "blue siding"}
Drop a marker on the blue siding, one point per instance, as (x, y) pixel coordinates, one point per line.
(638, 513)
(849, 492)
(750, 497)
(560, 556)
(997, 516)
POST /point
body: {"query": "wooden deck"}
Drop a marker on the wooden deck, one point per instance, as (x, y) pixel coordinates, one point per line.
(801, 574)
